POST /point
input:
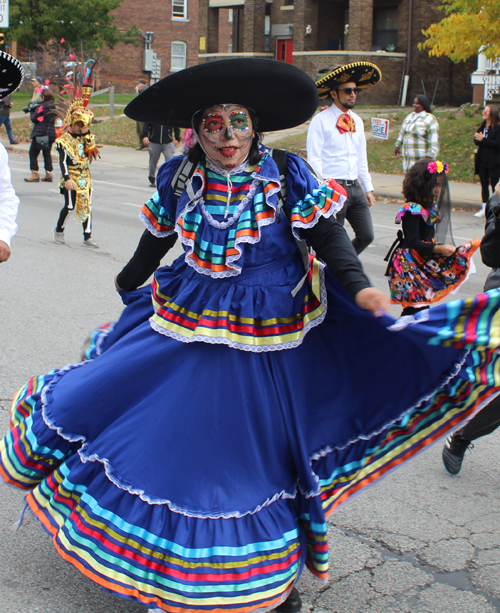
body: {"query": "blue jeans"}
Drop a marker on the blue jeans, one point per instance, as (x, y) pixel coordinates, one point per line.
(5, 119)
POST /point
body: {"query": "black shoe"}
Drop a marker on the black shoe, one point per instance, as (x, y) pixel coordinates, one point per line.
(453, 452)
(152, 184)
(292, 604)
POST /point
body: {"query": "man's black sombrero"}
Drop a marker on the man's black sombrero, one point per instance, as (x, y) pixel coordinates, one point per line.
(364, 74)
(281, 95)
(11, 74)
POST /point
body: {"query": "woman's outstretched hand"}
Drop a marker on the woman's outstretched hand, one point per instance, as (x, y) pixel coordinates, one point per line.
(373, 300)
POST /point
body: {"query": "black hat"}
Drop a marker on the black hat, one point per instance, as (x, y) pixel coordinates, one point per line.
(364, 74)
(11, 74)
(281, 95)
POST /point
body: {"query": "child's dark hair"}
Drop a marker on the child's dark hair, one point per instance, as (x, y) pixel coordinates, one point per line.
(419, 183)
(196, 153)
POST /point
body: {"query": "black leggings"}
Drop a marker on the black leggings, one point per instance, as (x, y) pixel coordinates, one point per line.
(47, 157)
(69, 205)
(487, 179)
(485, 422)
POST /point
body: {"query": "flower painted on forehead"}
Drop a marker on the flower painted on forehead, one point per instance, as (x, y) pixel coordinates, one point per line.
(437, 167)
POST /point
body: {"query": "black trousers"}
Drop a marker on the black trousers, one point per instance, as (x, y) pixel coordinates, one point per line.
(47, 157)
(487, 179)
(357, 212)
(485, 422)
(69, 205)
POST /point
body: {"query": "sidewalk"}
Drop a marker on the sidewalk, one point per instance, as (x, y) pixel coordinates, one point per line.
(464, 195)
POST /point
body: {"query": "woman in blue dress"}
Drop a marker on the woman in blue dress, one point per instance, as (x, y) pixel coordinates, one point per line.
(191, 459)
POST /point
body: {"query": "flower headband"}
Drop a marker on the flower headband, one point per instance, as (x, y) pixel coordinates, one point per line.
(437, 167)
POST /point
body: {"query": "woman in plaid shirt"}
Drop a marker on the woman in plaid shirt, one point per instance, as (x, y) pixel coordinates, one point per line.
(419, 135)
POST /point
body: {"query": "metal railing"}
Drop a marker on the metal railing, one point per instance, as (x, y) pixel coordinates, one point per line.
(491, 80)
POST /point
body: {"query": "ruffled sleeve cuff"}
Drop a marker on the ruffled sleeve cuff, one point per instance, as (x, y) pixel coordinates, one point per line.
(156, 218)
(413, 209)
(323, 201)
(158, 214)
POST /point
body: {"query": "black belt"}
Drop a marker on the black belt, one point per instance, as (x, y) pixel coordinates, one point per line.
(347, 182)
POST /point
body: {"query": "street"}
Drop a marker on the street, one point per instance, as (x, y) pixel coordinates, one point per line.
(420, 541)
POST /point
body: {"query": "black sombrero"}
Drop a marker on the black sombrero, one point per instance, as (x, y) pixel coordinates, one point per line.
(281, 95)
(11, 74)
(364, 74)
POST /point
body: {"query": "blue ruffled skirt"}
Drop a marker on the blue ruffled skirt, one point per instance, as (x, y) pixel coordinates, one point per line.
(197, 477)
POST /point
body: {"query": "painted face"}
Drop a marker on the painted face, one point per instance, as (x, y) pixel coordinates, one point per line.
(226, 134)
(486, 112)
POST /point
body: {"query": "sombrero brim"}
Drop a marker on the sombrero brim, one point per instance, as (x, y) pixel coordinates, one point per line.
(281, 95)
(364, 74)
(11, 74)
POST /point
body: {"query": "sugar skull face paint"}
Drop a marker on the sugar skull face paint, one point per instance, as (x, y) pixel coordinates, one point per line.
(226, 134)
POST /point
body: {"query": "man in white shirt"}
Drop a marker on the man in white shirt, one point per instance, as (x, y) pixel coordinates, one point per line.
(9, 205)
(11, 76)
(336, 145)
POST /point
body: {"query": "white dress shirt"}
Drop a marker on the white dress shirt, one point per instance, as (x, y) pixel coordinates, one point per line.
(337, 155)
(9, 202)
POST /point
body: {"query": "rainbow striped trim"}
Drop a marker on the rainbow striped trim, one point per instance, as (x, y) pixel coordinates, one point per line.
(244, 222)
(245, 333)
(92, 346)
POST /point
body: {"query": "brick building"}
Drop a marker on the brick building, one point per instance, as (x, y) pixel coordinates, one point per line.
(315, 35)
(170, 41)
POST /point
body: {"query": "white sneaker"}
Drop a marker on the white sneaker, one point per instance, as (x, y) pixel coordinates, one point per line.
(482, 211)
(90, 242)
(58, 237)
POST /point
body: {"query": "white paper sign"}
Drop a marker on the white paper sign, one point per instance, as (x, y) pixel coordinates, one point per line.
(4, 13)
(380, 128)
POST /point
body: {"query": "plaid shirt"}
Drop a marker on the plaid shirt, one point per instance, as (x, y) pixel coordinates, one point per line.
(419, 138)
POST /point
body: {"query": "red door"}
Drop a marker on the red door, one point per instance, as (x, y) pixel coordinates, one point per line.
(284, 50)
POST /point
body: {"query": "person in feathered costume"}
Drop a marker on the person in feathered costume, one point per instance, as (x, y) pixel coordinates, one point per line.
(77, 149)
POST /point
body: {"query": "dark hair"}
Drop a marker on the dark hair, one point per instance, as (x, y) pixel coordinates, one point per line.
(47, 95)
(419, 182)
(196, 153)
(424, 101)
(494, 116)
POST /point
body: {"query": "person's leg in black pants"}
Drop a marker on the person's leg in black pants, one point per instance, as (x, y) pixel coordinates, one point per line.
(357, 212)
(33, 153)
(485, 422)
(47, 159)
(494, 178)
(69, 205)
(484, 177)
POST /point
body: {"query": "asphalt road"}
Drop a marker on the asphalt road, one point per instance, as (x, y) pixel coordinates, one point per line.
(419, 541)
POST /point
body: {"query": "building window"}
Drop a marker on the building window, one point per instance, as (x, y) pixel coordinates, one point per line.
(179, 9)
(288, 3)
(230, 16)
(179, 50)
(385, 27)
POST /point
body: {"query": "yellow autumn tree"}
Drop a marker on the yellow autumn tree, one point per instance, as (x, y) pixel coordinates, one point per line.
(471, 26)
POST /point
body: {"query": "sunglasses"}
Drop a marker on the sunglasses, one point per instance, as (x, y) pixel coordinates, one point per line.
(350, 90)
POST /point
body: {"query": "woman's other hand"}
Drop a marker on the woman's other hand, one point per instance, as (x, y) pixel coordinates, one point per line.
(373, 300)
(445, 250)
(478, 136)
(117, 287)
(396, 151)
(70, 185)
